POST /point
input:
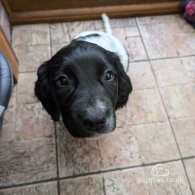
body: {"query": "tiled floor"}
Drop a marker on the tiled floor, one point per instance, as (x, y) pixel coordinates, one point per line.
(152, 151)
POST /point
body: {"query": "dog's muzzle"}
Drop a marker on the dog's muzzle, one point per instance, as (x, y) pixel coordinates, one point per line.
(95, 118)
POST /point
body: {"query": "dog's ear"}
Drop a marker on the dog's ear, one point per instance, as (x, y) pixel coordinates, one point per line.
(44, 91)
(124, 83)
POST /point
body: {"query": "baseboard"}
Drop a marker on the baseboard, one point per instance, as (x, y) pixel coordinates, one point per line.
(92, 13)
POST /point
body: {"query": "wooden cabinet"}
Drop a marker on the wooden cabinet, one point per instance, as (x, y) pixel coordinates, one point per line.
(25, 11)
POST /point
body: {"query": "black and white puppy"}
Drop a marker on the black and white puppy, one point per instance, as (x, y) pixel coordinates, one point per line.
(85, 82)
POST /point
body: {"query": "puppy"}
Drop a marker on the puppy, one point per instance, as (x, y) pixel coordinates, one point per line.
(85, 82)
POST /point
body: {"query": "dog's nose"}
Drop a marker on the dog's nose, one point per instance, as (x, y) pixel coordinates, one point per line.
(96, 123)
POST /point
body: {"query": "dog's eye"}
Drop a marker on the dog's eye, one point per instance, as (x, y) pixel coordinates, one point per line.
(109, 76)
(62, 81)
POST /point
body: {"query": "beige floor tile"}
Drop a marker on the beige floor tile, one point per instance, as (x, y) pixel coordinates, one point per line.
(136, 49)
(91, 185)
(49, 188)
(190, 168)
(120, 34)
(168, 39)
(78, 27)
(168, 178)
(31, 56)
(132, 31)
(116, 23)
(119, 149)
(98, 25)
(122, 22)
(144, 106)
(35, 34)
(185, 135)
(12, 100)
(59, 33)
(143, 135)
(156, 142)
(159, 19)
(159, 179)
(77, 156)
(125, 182)
(8, 129)
(174, 71)
(25, 88)
(179, 100)
(141, 75)
(22, 162)
(56, 47)
(35, 117)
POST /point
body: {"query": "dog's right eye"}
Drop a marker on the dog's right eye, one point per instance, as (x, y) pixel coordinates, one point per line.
(62, 81)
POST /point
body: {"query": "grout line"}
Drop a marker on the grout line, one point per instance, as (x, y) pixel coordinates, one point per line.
(27, 184)
(57, 162)
(68, 30)
(159, 91)
(30, 45)
(182, 159)
(133, 36)
(50, 40)
(28, 71)
(188, 179)
(101, 160)
(104, 187)
(172, 57)
(92, 173)
(134, 61)
(15, 110)
(32, 102)
(118, 169)
(55, 127)
(177, 144)
(188, 157)
(142, 39)
(162, 58)
(163, 86)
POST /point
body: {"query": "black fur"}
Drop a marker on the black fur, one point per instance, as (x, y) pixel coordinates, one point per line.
(84, 64)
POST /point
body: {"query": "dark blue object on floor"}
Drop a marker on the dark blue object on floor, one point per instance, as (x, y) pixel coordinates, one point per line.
(6, 85)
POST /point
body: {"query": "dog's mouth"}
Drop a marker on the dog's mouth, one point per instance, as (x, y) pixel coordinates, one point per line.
(90, 129)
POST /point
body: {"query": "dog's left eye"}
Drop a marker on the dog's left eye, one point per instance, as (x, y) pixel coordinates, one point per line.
(109, 76)
(62, 81)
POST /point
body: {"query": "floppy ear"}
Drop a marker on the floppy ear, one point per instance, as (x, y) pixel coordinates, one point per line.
(124, 83)
(44, 92)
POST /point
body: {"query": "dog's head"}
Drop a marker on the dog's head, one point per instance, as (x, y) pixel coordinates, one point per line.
(85, 84)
